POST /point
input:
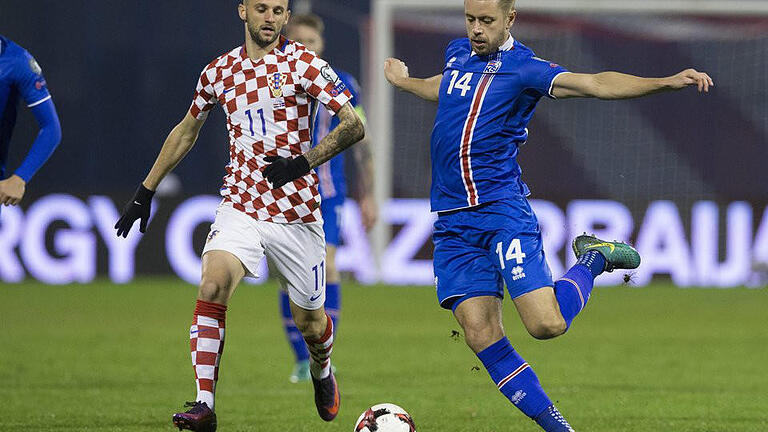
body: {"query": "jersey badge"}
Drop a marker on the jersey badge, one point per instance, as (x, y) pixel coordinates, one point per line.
(34, 66)
(39, 84)
(276, 82)
(493, 66)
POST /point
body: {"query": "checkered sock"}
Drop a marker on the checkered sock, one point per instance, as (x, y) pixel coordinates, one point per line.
(320, 352)
(206, 342)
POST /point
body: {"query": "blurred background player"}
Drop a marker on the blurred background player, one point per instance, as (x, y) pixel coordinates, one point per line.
(21, 76)
(271, 202)
(308, 29)
(487, 235)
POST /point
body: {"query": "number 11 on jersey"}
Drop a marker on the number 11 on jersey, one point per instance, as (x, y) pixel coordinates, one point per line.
(260, 111)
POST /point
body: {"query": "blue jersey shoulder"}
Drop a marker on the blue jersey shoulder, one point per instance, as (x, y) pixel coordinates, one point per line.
(23, 72)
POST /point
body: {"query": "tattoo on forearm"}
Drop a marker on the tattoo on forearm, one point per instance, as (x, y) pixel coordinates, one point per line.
(348, 132)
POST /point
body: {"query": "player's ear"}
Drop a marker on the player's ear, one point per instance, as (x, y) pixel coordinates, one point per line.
(241, 10)
(511, 18)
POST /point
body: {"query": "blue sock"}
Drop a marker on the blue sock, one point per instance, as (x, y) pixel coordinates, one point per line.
(298, 345)
(514, 378)
(573, 289)
(333, 303)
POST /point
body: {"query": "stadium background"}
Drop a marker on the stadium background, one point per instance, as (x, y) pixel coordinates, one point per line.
(681, 175)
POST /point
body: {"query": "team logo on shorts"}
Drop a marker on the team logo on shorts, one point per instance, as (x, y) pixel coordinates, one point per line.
(276, 82)
(212, 235)
(517, 273)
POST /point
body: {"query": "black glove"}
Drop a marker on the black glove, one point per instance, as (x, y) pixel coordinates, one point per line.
(281, 170)
(138, 208)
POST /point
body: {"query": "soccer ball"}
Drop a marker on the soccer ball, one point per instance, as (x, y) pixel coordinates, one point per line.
(385, 417)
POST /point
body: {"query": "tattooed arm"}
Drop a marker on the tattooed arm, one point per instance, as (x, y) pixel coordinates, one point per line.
(349, 131)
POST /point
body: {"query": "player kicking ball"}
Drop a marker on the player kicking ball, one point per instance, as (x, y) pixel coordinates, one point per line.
(486, 234)
(271, 203)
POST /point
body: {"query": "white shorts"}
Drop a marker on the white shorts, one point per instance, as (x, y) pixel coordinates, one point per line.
(296, 251)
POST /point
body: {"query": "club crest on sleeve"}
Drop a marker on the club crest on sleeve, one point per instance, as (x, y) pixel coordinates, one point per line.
(39, 84)
(276, 82)
(34, 66)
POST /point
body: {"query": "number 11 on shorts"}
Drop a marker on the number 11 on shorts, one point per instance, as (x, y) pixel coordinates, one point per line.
(319, 271)
(514, 252)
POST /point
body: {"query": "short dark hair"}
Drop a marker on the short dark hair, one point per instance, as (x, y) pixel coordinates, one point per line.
(309, 20)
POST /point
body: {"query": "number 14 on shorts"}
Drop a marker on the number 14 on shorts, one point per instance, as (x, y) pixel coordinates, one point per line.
(514, 252)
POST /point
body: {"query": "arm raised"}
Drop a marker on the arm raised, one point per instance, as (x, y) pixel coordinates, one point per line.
(615, 85)
(397, 74)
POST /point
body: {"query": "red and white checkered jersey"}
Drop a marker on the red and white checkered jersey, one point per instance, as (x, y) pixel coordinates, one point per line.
(270, 105)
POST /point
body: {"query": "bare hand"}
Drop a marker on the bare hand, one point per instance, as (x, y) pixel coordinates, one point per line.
(690, 77)
(12, 190)
(395, 71)
(369, 212)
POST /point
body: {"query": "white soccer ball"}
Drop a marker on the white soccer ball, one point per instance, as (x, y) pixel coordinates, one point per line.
(385, 417)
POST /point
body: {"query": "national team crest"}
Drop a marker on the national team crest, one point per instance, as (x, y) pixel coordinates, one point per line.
(276, 82)
(493, 66)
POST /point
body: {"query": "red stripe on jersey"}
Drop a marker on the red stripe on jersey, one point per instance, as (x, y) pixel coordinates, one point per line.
(466, 139)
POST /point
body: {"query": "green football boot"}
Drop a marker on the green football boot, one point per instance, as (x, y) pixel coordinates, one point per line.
(300, 372)
(618, 255)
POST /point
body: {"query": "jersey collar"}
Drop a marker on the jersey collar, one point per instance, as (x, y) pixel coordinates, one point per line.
(506, 46)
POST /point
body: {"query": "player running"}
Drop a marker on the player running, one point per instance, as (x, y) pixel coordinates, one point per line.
(21, 76)
(308, 31)
(268, 89)
(486, 234)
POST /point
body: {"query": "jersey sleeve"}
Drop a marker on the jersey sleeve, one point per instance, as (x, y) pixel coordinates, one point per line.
(205, 97)
(539, 74)
(320, 81)
(30, 81)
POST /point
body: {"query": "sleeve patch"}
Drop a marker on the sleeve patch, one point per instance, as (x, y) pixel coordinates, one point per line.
(34, 66)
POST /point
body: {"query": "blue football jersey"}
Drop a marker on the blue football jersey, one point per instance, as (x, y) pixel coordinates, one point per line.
(333, 183)
(20, 77)
(485, 105)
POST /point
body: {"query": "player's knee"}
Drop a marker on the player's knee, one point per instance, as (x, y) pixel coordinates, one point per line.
(480, 334)
(547, 329)
(212, 291)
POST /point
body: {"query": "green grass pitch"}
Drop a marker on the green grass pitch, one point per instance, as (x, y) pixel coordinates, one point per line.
(104, 357)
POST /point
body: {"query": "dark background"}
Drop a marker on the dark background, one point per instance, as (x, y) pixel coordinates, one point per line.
(122, 74)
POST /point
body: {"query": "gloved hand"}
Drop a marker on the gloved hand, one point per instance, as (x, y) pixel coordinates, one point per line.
(138, 208)
(282, 170)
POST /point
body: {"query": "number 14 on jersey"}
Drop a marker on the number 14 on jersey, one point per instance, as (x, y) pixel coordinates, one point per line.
(462, 83)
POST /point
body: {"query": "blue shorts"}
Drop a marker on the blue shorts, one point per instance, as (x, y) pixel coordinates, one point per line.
(478, 250)
(331, 209)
